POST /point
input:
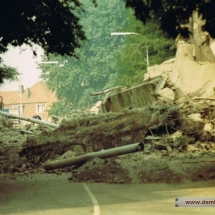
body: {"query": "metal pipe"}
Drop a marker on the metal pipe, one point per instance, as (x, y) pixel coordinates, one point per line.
(101, 154)
(122, 33)
(14, 116)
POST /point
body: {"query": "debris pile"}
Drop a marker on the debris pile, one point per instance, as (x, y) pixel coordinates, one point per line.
(175, 124)
(85, 133)
(11, 144)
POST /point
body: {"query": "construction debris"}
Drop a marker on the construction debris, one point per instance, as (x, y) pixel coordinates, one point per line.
(171, 111)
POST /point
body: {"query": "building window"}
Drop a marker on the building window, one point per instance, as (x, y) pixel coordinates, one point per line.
(40, 108)
(16, 107)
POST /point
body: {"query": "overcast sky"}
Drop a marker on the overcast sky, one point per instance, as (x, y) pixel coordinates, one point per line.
(25, 63)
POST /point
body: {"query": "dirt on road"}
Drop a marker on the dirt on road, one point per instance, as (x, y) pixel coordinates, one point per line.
(179, 145)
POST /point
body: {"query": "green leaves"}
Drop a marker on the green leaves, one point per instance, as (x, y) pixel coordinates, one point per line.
(91, 72)
(8, 73)
(131, 63)
(104, 61)
(52, 24)
(174, 13)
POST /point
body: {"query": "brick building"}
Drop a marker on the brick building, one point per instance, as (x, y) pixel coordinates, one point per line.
(35, 100)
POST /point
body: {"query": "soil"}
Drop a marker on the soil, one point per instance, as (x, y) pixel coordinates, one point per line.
(172, 157)
(141, 167)
(138, 168)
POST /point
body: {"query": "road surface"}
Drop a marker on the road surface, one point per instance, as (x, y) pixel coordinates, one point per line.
(49, 194)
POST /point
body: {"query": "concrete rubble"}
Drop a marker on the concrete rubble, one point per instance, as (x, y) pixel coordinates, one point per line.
(172, 113)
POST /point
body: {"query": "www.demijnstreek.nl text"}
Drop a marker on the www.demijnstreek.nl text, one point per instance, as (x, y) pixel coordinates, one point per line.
(195, 202)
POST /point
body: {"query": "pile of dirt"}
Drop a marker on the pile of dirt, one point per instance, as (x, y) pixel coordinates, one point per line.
(101, 170)
(178, 132)
(141, 167)
(11, 144)
(89, 133)
(171, 157)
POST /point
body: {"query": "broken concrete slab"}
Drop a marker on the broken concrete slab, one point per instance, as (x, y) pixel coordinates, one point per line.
(186, 74)
(191, 126)
(191, 76)
(166, 94)
(161, 70)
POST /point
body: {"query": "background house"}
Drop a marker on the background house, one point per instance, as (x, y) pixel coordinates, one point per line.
(30, 101)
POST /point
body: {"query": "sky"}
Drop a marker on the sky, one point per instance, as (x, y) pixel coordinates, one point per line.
(25, 63)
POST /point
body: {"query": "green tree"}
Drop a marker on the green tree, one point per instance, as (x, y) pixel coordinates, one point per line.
(56, 25)
(174, 13)
(8, 73)
(52, 24)
(78, 78)
(150, 46)
(105, 61)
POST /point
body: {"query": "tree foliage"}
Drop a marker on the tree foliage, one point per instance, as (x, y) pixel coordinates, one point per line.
(8, 73)
(173, 13)
(78, 78)
(149, 46)
(55, 24)
(52, 24)
(104, 60)
(61, 108)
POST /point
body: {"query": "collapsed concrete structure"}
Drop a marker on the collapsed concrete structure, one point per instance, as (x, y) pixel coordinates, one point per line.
(185, 74)
(191, 71)
(171, 80)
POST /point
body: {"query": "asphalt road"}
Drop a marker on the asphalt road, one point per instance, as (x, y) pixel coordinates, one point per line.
(55, 195)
